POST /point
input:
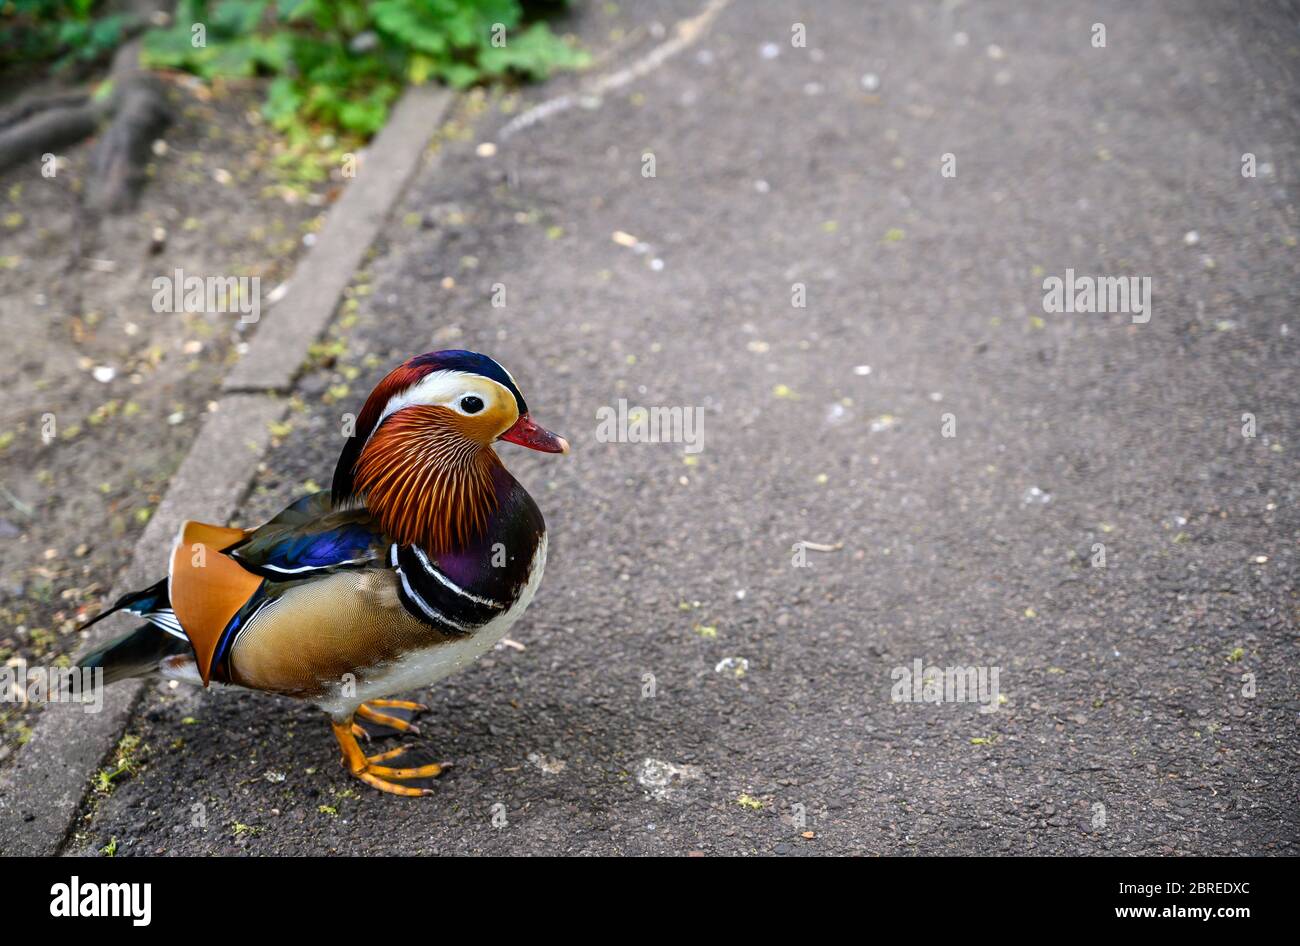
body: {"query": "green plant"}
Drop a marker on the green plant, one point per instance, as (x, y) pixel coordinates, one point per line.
(334, 65)
(62, 31)
(339, 64)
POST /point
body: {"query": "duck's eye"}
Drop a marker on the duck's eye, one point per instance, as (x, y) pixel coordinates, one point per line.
(471, 404)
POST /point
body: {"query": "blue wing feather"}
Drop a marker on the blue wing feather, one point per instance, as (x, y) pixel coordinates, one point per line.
(311, 536)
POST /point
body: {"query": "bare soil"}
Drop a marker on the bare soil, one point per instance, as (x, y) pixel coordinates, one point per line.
(103, 393)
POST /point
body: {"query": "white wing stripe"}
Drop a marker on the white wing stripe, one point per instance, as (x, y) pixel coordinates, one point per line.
(311, 568)
(165, 620)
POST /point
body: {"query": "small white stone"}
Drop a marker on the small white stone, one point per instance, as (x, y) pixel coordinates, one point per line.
(103, 373)
(862, 370)
(663, 780)
(1191, 238)
(769, 50)
(871, 82)
(486, 150)
(737, 666)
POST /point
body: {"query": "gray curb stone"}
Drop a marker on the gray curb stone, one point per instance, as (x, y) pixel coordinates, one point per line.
(280, 344)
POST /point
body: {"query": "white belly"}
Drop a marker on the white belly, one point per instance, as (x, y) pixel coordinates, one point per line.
(424, 667)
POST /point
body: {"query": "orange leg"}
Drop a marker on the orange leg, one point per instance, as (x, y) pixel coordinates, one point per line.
(399, 704)
(374, 775)
(383, 719)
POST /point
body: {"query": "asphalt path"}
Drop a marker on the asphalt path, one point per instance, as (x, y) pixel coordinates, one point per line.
(686, 679)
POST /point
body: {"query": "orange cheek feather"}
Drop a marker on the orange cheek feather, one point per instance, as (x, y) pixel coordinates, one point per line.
(485, 426)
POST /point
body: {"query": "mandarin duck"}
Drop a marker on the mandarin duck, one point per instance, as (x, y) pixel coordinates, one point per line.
(419, 559)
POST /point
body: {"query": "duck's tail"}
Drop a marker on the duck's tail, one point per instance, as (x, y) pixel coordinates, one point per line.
(139, 652)
(135, 654)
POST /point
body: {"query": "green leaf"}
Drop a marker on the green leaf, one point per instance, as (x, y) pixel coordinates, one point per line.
(533, 53)
(410, 25)
(282, 101)
(458, 74)
(235, 18)
(420, 69)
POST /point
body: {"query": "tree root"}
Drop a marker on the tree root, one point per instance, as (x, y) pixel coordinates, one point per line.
(131, 117)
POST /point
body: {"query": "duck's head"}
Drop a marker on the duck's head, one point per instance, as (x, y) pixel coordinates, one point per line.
(421, 453)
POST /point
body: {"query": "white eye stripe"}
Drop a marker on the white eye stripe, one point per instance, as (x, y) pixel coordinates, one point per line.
(445, 388)
(436, 388)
